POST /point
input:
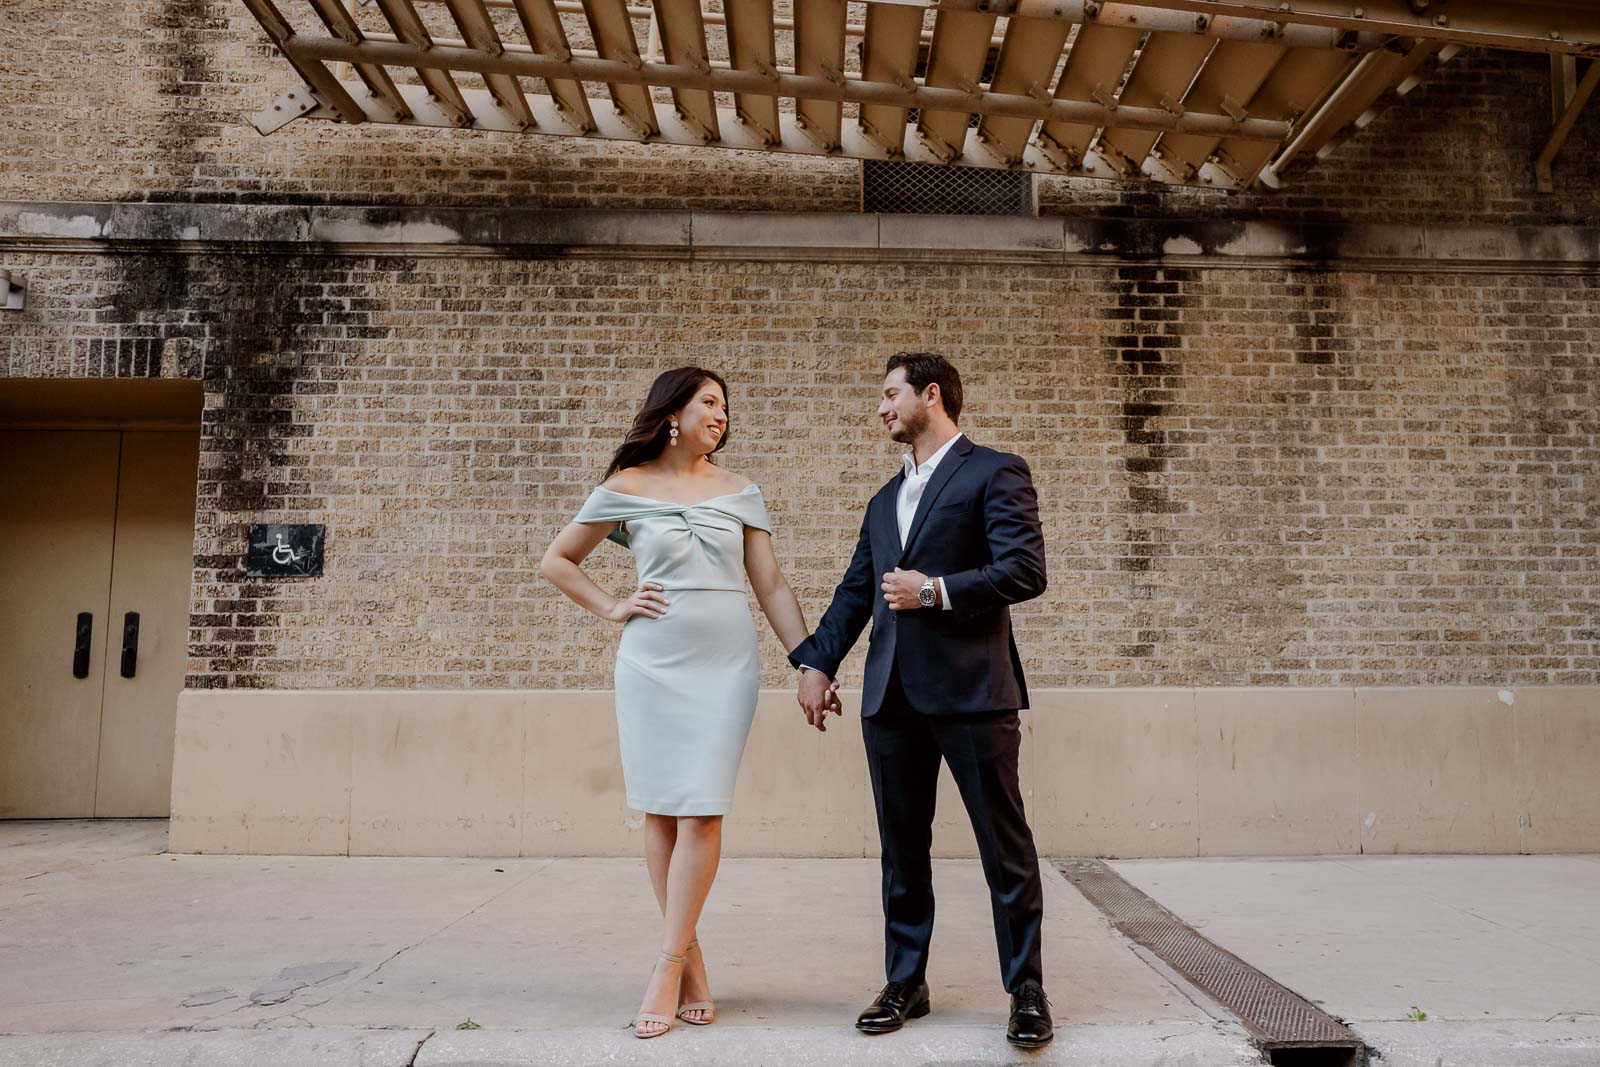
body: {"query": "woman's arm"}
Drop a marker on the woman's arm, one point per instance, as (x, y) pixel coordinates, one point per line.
(777, 600)
(561, 565)
(817, 692)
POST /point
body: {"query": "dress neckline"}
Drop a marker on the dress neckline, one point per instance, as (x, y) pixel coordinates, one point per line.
(676, 504)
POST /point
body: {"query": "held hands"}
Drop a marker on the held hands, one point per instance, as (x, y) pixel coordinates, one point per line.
(818, 696)
(648, 602)
(901, 588)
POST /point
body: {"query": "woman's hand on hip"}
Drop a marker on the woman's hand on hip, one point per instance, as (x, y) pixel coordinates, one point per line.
(647, 601)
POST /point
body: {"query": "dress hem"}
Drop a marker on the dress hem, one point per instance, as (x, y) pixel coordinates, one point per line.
(682, 807)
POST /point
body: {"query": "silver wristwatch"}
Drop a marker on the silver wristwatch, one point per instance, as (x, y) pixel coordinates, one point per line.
(926, 596)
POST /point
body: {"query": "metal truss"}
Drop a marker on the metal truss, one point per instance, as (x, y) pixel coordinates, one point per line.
(1214, 93)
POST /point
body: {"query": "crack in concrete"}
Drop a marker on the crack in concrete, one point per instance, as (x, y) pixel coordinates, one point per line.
(80, 867)
(412, 1062)
(357, 982)
(298, 1015)
(459, 919)
(219, 1015)
(271, 1019)
(289, 981)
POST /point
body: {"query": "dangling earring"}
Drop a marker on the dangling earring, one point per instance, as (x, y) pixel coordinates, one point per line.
(672, 436)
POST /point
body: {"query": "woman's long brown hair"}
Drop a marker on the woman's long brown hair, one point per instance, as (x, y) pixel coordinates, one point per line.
(669, 394)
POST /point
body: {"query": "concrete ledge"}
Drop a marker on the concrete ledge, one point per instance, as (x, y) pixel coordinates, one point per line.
(1132, 1045)
(344, 1046)
(64, 226)
(1116, 773)
(1462, 1044)
(1128, 1045)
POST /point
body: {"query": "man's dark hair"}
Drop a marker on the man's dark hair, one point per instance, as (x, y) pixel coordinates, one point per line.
(926, 368)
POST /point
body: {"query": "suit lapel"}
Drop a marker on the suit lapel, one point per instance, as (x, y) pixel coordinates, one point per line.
(885, 525)
(942, 474)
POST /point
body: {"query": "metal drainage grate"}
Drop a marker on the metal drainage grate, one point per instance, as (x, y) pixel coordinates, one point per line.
(1285, 1025)
(897, 187)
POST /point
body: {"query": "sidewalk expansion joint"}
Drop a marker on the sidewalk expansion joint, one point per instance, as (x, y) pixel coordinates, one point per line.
(1289, 1030)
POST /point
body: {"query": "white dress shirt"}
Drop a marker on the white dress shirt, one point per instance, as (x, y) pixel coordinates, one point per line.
(916, 481)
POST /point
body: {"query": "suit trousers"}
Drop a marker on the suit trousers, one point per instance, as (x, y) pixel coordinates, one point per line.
(904, 746)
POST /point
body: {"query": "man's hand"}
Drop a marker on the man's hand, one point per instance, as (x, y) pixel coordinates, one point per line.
(818, 695)
(901, 589)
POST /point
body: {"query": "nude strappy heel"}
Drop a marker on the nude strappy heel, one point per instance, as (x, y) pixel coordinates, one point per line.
(651, 1017)
(699, 1005)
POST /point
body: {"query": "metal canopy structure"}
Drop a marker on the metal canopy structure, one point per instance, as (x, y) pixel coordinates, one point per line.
(1212, 93)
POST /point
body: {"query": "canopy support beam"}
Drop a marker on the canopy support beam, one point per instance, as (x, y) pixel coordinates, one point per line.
(1543, 166)
(443, 57)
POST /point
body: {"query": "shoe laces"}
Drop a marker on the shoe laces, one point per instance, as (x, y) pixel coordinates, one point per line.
(1031, 998)
(898, 990)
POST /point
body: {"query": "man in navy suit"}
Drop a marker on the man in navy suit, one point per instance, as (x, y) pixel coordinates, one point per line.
(946, 547)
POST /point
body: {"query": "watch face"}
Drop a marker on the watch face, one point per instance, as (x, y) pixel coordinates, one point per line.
(926, 596)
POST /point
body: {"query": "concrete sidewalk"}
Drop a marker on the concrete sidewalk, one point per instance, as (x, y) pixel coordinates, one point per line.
(114, 953)
(1491, 960)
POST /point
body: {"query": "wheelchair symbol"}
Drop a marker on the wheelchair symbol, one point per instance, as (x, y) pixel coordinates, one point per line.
(282, 554)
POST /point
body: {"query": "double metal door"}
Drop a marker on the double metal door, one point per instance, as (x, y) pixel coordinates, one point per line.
(94, 614)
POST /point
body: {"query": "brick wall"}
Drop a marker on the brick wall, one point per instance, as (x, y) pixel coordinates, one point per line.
(1247, 476)
(113, 100)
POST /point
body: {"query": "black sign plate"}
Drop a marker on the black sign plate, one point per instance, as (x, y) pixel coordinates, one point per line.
(280, 550)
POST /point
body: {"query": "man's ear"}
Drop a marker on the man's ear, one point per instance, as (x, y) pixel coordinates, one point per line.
(934, 396)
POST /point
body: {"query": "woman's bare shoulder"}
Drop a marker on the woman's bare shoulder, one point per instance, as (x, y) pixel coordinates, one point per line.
(639, 481)
(734, 482)
(627, 480)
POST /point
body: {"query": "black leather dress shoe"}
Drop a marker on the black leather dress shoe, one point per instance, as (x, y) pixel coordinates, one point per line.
(898, 1002)
(1030, 1025)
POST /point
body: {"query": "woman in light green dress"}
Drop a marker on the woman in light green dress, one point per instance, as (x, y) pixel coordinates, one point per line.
(688, 668)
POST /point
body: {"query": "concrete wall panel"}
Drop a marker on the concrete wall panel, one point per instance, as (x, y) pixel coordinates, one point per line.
(1133, 773)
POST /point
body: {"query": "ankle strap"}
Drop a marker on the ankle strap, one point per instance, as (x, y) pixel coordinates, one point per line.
(670, 958)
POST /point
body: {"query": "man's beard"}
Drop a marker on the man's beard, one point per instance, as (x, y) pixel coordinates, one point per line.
(908, 429)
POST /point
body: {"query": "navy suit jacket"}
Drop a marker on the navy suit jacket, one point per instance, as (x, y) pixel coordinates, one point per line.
(977, 527)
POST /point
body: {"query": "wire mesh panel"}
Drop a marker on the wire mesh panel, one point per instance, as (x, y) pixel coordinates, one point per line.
(901, 188)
